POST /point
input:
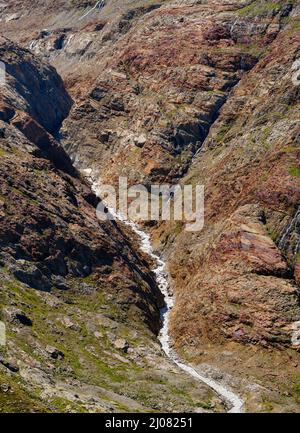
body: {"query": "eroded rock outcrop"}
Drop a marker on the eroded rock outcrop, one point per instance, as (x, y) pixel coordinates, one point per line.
(200, 90)
(49, 230)
(58, 261)
(161, 72)
(236, 281)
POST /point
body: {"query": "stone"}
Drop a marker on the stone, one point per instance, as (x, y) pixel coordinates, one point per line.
(10, 364)
(140, 141)
(55, 353)
(121, 344)
(4, 387)
(16, 316)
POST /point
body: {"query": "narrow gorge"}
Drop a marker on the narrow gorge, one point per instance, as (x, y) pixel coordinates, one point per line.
(131, 316)
(231, 400)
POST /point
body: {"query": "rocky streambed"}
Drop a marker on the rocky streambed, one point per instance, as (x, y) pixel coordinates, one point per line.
(233, 402)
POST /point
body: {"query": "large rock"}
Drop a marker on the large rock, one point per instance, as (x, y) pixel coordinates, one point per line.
(121, 344)
(15, 316)
(55, 353)
(10, 364)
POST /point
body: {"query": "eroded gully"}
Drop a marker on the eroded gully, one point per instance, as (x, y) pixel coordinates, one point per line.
(233, 401)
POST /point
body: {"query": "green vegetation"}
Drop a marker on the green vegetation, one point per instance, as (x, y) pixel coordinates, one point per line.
(274, 235)
(295, 172)
(223, 132)
(2, 153)
(267, 405)
(89, 357)
(296, 388)
(261, 7)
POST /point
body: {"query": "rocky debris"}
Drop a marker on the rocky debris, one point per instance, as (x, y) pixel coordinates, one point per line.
(55, 353)
(122, 345)
(15, 316)
(237, 272)
(68, 323)
(153, 87)
(4, 387)
(10, 364)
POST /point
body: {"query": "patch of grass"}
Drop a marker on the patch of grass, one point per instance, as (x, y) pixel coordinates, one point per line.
(222, 132)
(2, 153)
(259, 7)
(274, 235)
(296, 388)
(268, 406)
(16, 399)
(295, 172)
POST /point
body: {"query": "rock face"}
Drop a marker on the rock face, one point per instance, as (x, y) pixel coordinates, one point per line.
(70, 286)
(151, 79)
(35, 88)
(251, 238)
(237, 280)
(48, 229)
(205, 92)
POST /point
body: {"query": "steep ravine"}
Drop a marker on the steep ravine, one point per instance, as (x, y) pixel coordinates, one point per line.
(141, 120)
(75, 296)
(232, 400)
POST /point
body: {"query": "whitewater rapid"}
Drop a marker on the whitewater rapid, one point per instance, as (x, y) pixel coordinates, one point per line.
(232, 400)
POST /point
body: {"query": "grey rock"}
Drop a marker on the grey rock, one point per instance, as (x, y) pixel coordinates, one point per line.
(10, 364)
(121, 344)
(4, 387)
(55, 353)
(16, 316)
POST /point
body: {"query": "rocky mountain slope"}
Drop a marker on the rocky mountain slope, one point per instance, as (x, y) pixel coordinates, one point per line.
(79, 302)
(242, 271)
(150, 79)
(201, 92)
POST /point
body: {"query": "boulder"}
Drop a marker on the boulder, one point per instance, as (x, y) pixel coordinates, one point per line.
(69, 324)
(121, 344)
(10, 364)
(55, 353)
(140, 141)
(16, 316)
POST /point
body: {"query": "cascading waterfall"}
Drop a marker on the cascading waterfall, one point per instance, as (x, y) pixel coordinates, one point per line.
(233, 400)
(99, 5)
